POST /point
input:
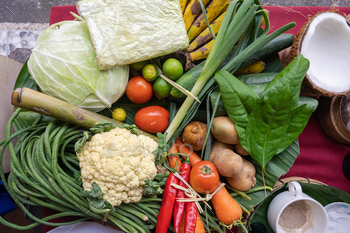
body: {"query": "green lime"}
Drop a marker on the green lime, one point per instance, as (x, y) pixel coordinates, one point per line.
(119, 114)
(161, 88)
(139, 65)
(149, 72)
(173, 69)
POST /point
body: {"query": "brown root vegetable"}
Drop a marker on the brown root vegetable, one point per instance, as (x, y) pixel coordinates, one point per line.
(240, 150)
(228, 163)
(216, 146)
(224, 130)
(244, 180)
(194, 134)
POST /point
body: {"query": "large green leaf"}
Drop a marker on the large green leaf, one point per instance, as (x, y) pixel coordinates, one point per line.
(298, 121)
(239, 100)
(321, 193)
(293, 75)
(24, 79)
(267, 126)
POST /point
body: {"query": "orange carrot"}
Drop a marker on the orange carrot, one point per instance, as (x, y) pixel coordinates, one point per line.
(174, 158)
(199, 225)
(226, 208)
(185, 149)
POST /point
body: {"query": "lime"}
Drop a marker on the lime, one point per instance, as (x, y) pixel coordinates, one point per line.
(139, 65)
(119, 114)
(161, 88)
(149, 72)
(173, 69)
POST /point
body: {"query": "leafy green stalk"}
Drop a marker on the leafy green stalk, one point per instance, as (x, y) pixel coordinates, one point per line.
(230, 31)
(96, 201)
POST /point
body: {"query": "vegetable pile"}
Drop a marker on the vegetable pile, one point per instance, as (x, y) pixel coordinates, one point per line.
(182, 148)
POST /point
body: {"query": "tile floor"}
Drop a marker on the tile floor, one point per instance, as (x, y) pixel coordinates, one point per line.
(12, 39)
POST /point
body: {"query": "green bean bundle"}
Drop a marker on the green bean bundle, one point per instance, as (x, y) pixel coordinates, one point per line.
(44, 171)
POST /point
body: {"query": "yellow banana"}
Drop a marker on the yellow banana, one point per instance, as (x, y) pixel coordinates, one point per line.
(192, 10)
(253, 68)
(202, 52)
(205, 35)
(183, 4)
(213, 10)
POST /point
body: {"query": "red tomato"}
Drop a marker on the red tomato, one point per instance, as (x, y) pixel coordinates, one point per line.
(204, 178)
(139, 90)
(152, 119)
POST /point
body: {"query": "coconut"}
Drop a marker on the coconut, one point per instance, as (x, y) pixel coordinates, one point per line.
(325, 41)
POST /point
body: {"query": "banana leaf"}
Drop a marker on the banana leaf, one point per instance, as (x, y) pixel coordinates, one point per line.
(24, 79)
(322, 193)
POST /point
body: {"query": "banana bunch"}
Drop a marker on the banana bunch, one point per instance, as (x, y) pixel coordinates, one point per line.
(201, 40)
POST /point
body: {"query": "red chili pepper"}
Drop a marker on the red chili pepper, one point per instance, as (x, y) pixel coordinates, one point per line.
(190, 217)
(179, 207)
(166, 209)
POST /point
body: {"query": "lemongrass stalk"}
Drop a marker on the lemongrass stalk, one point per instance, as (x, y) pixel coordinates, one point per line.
(228, 35)
(35, 101)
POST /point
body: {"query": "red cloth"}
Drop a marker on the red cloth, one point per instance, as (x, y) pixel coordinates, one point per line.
(320, 157)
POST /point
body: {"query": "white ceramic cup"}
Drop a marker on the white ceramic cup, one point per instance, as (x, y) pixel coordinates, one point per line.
(318, 218)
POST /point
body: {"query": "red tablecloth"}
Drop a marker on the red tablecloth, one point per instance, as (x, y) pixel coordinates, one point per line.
(320, 157)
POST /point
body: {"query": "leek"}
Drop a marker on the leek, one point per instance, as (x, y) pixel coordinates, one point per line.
(237, 20)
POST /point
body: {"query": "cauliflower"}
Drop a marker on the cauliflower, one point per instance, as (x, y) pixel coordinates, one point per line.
(119, 162)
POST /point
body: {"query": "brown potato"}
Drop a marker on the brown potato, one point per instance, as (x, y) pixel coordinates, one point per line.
(224, 130)
(228, 163)
(240, 150)
(194, 134)
(245, 180)
(217, 146)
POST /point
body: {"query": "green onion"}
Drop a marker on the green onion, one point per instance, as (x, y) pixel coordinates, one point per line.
(239, 16)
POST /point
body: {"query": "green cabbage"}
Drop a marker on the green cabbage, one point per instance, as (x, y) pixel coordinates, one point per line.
(63, 64)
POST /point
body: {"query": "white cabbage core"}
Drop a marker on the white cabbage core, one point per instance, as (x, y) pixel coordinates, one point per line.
(327, 46)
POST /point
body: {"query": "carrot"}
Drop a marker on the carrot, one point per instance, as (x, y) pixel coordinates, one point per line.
(174, 158)
(226, 208)
(185, 149)
(199, 225)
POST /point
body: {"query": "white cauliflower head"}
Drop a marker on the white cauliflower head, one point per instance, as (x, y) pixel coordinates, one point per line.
(119, 162)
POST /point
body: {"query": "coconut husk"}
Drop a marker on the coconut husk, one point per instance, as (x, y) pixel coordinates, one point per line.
(308, 88)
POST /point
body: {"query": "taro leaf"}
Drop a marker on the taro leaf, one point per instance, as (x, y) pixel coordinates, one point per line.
(300, 117)
(95, 199)
(24, 79)
(321, 193)
(239, 100)
(267, 125)
(292, 74)
(79, 145)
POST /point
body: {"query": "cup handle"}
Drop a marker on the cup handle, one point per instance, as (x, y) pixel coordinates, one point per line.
(295, 188)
